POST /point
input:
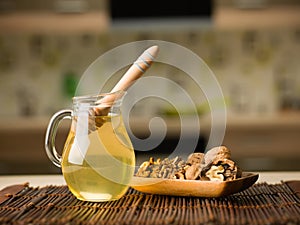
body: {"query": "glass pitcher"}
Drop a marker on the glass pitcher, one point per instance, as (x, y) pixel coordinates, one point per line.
(98, 158)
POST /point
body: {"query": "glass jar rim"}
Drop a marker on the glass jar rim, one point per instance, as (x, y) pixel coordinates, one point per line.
(94, 97)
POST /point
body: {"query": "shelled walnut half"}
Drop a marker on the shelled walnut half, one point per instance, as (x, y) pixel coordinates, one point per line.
(221, 170)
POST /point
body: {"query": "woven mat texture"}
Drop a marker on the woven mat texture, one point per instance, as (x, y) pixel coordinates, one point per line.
(260, 204)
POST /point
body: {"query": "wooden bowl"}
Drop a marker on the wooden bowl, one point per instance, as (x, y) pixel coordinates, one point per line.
(193, 188)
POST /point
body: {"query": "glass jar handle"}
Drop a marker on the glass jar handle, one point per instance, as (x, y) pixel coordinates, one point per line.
(53, 155)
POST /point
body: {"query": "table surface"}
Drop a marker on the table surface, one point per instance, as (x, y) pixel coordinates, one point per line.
(43, 180)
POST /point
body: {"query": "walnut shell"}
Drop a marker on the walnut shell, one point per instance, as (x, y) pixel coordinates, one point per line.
(195, 158)
(220, 152)
(193, 172)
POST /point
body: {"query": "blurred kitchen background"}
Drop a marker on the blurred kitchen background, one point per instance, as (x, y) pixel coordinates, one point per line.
(252, 46)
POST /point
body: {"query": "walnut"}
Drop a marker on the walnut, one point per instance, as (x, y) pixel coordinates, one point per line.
(195, 158)
(221, 170)
(193, 172)
(221, 152)
(215, 173)
(215, 165)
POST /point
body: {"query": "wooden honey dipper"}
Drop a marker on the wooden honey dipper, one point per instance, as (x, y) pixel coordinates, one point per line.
(137, 69)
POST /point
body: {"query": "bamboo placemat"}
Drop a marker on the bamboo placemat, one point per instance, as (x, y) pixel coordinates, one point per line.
(260, 204)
